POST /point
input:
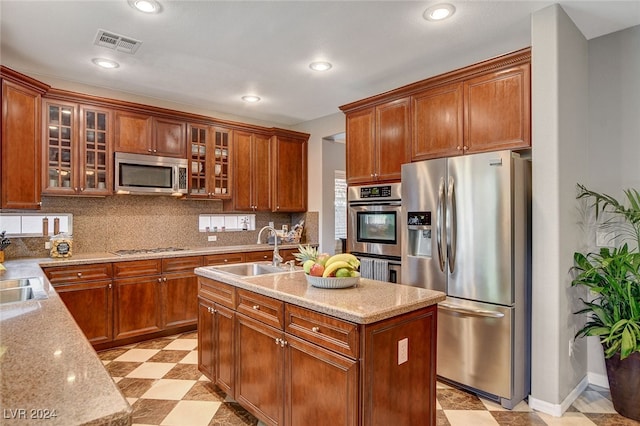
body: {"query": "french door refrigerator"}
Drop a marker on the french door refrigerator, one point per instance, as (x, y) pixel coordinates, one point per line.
(468, 234)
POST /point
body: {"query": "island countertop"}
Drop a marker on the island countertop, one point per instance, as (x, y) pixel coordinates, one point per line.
(49, 373)
(368, 302)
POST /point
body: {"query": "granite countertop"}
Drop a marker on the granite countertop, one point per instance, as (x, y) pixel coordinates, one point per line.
(111, 257)
(47, 366)
(367, 302)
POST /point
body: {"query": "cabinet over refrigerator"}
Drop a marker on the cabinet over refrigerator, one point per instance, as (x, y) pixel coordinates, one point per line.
(467, 234)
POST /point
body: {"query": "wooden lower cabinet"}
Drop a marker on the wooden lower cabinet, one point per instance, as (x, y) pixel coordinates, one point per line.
(295, 366)
(138, 306)
(91, 305)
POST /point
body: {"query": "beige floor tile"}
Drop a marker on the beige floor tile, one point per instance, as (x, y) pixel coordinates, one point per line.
(192, 413)
(151, 370)
(182, 345)
(169, 389)
(568, 419)
(132, 401)
(191, 358)
(593, 402)
(137, 355)
(522, 406)
(470, 417)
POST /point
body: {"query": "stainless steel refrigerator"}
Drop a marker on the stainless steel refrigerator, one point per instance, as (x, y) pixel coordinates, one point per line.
(468, 234)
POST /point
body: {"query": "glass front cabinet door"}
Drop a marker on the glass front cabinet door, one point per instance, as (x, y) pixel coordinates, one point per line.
(77, 149)
(209, 162)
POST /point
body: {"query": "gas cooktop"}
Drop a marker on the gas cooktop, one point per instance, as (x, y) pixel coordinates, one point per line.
(147, 250)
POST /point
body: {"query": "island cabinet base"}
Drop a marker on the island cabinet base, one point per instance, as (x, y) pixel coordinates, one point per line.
(290, 365)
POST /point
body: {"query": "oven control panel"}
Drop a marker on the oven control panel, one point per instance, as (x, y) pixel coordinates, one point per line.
(383, 191)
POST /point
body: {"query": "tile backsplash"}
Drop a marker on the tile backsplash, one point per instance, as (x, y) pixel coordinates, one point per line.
(137, 221)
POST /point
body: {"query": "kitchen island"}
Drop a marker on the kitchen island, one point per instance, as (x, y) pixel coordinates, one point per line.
(294, 354)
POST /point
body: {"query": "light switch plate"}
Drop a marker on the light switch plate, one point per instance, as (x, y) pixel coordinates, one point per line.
(211, 238)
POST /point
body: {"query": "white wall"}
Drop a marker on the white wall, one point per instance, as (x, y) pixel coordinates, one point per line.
(333, 158)
(559, 130)
(614, 126)
(318, 129)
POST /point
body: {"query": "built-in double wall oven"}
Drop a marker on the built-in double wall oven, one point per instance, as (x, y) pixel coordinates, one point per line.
(373, 229)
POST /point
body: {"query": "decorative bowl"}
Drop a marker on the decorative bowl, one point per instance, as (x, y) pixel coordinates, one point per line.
(332, 282)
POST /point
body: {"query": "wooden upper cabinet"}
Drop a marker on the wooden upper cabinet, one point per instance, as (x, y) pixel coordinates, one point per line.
(497, 110)
(393, 136)
(20, 168)
(437, 122)
(210, 161)
(144, 134)
(252, 171)
(360, 146)
(290, 174)
(378, 142)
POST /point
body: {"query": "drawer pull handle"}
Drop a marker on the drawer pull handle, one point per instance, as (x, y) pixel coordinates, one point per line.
(256, 307)
(315, 329)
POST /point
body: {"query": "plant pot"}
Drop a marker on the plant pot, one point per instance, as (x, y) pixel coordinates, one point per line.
(624, 384)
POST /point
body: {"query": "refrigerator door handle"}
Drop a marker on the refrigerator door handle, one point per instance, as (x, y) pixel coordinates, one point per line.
(470, 312)
(451, 225)
(439, 214)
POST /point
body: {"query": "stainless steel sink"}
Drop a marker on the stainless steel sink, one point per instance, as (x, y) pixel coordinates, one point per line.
(19, 290)
(250, 269)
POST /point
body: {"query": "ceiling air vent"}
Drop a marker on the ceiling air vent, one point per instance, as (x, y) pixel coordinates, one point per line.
(117, 42)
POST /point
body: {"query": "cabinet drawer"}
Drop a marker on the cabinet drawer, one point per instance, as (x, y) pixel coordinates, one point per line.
(215, 291)
(221, 259)
(329, 332)
(181, 264)
(137, 268)
(256, 256)
(262, 308)
(80, 273)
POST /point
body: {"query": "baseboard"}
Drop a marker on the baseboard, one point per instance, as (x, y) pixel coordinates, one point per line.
(557, 410)
(598, 380)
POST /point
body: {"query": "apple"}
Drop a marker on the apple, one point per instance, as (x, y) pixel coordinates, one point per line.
(307, 265)
(316, 270)
(343, 273)
(322, 258)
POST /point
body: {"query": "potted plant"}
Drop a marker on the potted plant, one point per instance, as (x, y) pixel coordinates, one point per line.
(613, 276)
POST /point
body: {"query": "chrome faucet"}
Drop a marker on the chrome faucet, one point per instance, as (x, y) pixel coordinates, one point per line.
(277, 259)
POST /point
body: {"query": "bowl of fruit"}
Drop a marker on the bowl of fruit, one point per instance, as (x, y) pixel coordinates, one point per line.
(325, 271)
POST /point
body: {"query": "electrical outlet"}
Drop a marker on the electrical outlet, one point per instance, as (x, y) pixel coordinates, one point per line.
(211, 238)
(271, 224)
(47, 245)
(403, 351)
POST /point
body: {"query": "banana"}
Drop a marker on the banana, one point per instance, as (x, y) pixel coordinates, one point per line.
(328, 270)
(345, 257)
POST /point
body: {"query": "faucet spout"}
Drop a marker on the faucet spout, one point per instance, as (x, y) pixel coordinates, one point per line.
(277, 259)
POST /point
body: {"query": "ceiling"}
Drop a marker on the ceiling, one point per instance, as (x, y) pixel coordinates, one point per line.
(207, 54)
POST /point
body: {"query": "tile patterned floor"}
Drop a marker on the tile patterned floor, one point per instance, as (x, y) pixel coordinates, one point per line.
(161, 381)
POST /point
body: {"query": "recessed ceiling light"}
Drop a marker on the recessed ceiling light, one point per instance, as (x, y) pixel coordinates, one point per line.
(105, 63)
(251, 98)
(438, 12)
(146, 6)
(320, 66)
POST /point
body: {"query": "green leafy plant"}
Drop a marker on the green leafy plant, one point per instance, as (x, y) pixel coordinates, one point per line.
(613, 276)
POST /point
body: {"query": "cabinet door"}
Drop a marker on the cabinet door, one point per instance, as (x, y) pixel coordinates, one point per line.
(320, 385)
(133, 132)
(393, 139)
(224, 349)
(20, 148)
(138, 308)
(498, 110)
(290, 175)
(261, 169)
(95, 145)
(60, 148)
(220, 171)
(206, 329)
(180, 299)
(242, 169)
(259, 369)
(169, 138)
(360, 146)
(198, 164)
(91, 305)
(437, 123)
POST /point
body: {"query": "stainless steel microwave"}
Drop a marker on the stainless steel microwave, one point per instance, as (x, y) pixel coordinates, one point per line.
(150, 174)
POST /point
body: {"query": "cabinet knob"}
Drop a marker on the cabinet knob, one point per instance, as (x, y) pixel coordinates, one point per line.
(256, 307)
(315, 329)
(164, 279)
(465, 147)
(79, 274)
(458, 148)
(226, 260)
(155, 150)
(110, 286)
(149, 150)
(159, 280)
(81, 189)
